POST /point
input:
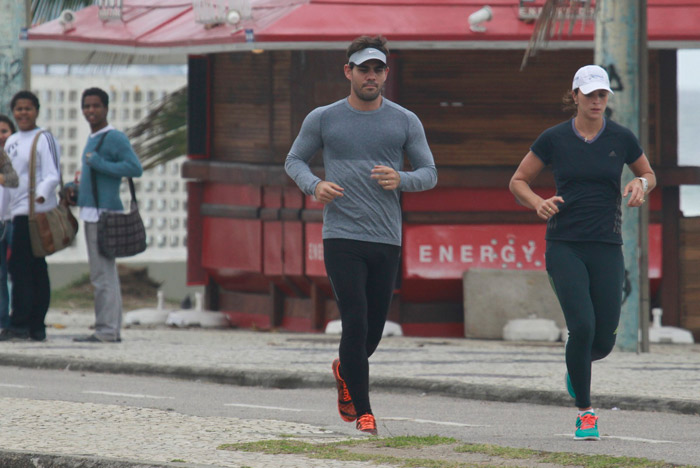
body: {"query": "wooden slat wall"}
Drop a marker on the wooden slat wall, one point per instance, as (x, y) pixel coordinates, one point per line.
(281, 105)
(479, 109)
(690, 274)
(260, 100)
(476, 106)
(317, 80)
(242, 105)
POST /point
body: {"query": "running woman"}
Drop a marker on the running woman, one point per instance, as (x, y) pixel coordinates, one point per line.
(364, 138)
(584, 242)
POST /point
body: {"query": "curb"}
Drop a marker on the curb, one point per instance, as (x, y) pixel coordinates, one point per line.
(12, 459)
(287, 380)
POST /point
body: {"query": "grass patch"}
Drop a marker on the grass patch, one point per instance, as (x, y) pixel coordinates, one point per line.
(561, 458)
(434, 452)
(414, 442)
(76, 295)
(138, 291)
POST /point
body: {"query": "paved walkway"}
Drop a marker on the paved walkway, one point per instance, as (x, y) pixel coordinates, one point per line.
(666, 379)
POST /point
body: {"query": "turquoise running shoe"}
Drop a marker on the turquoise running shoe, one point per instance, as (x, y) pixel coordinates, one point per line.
(569, 387)
(587, 427)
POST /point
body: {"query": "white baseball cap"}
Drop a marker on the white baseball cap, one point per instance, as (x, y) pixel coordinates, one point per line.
(369, 53)
(591, 78)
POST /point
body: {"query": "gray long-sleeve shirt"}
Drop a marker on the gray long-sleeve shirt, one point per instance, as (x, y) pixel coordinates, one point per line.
(353, 142)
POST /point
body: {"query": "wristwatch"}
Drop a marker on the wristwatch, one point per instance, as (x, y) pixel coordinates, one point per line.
(645, 184)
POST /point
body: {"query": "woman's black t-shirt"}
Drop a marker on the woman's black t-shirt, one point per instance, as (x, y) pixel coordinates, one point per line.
(587, 176)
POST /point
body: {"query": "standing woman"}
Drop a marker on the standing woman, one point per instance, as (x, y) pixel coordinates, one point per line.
(8, 178)
(31, 291)
(584, 224)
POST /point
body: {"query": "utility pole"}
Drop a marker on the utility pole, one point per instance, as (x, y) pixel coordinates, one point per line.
(620, 48)
(13, 64)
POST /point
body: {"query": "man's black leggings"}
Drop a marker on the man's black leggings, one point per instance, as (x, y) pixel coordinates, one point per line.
(587, 278)
(362, 275)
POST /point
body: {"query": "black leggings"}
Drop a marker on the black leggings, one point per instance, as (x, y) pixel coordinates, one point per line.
(587, 278)
(362, 275)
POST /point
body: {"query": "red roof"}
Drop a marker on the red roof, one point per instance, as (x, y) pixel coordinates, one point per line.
(168, 26)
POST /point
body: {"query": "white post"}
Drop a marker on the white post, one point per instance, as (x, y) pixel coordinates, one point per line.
(620, 47)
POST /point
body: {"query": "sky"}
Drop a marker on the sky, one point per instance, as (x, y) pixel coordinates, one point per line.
(688, 103)
(689, 69)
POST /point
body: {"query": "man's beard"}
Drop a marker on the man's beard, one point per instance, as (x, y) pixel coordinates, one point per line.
(368, 96)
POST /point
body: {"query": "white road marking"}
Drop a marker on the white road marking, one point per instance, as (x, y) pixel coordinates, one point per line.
(16, 386)
(277, 408)
(428, 421)
(130, 395)
(646, 441)
(631, 439)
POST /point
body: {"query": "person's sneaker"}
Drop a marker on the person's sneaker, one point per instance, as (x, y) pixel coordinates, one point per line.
(9, 334)
(37, 335)
(345, 406)
(95, 339)
(587, 427)
(367, 424)
(569, 387)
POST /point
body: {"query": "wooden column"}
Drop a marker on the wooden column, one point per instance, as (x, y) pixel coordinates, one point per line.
(277, 310)
(318, 301)
(670, 212)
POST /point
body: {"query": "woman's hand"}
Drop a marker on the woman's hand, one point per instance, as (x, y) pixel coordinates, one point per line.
(636, 192)
(548, 208)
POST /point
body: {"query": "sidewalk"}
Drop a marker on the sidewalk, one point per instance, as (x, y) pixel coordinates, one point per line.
(666, 379)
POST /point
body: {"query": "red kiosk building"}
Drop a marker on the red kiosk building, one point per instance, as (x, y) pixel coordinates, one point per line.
(255, 241)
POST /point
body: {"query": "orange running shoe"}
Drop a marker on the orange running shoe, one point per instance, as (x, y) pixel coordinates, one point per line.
(345, 406)
(366, 423)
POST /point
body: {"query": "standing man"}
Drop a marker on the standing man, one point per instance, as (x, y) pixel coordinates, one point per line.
(109, 154)
(31, 287)
(364, 138)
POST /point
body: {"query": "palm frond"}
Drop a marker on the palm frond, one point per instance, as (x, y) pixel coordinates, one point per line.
(161, 135)
(46, 10)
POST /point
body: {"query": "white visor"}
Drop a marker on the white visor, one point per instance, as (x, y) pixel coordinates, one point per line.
(361, 56)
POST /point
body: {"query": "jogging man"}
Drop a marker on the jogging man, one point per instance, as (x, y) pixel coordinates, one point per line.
(364, 138)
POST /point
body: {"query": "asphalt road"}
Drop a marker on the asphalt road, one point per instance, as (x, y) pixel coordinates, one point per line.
(672, 438)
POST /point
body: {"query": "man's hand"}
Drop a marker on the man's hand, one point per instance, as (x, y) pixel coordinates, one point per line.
(387, 178)
(326, 192)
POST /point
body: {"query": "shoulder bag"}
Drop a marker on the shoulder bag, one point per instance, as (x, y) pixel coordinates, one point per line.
(119, 234)
(53, 230)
